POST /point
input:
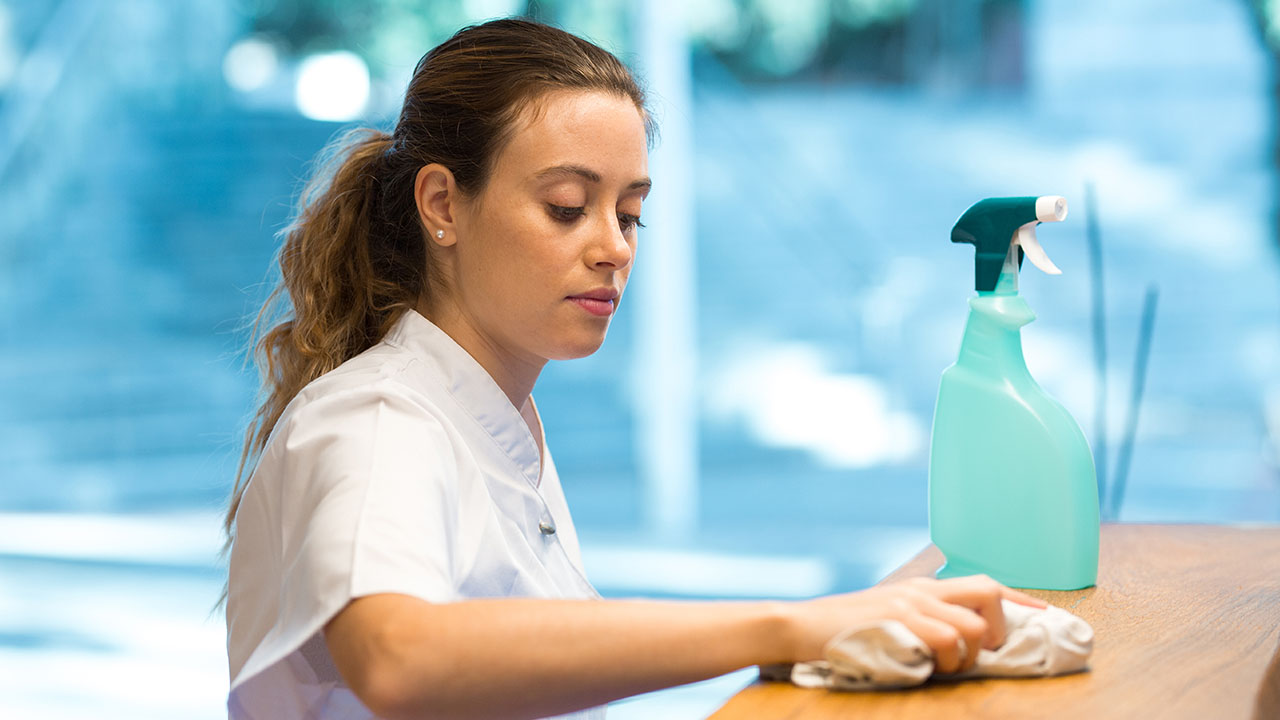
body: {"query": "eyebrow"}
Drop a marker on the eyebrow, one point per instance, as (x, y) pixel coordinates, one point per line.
(589, 175)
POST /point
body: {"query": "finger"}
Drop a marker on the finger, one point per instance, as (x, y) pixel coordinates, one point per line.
(980, 594)
(942, 639)
(973, 628)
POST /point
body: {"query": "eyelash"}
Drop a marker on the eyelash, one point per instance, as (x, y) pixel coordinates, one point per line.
(569, 214)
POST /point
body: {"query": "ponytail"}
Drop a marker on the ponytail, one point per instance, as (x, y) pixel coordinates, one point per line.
(347, 274)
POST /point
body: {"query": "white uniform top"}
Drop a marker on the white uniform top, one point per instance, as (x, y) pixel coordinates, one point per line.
(405, 470)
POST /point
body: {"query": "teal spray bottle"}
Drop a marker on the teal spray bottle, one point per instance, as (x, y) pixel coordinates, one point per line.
(1012, 487)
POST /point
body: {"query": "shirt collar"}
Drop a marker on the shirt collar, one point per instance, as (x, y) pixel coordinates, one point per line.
(472, 388)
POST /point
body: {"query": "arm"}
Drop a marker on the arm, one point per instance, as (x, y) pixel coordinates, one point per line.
(523, 657)
(520, 657)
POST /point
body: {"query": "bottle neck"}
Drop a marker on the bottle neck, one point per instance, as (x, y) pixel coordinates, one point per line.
(991, 341)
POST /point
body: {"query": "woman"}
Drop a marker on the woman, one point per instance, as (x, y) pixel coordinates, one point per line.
(403, 548)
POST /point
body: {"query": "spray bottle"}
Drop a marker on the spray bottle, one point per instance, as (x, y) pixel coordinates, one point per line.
(1012, 488)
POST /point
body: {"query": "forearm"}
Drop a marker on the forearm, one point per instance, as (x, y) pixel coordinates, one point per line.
(532, 657)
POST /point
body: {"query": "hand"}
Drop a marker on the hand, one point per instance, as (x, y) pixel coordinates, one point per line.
(942, 613)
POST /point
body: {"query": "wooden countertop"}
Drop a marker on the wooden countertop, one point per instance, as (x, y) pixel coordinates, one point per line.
(1186, 621)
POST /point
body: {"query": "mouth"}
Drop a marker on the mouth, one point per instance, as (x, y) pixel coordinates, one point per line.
(601, 293)
(595, 306)
(600, 302)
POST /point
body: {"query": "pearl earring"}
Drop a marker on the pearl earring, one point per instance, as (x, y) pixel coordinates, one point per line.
(440, 234)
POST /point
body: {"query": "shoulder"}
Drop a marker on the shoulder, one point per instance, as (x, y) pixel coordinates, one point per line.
(383, 383)
(376, 415)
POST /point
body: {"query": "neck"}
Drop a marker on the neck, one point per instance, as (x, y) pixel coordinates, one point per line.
(992, 337)
(515, 375)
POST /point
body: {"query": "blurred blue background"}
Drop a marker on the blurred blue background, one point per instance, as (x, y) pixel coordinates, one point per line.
(757, 423)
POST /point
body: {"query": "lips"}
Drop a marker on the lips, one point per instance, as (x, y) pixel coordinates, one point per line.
(599, 302)
(605, 293)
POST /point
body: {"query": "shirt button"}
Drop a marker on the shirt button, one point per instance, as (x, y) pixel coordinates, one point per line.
(546, 528)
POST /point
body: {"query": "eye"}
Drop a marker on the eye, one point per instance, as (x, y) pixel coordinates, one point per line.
(629, 222)
(566, 214)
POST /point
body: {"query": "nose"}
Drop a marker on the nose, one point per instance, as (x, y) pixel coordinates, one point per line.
(610, 249)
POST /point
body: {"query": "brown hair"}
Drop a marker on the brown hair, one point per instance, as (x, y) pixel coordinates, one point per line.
(355, 257)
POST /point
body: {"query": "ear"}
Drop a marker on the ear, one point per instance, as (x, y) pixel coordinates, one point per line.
(438, 198)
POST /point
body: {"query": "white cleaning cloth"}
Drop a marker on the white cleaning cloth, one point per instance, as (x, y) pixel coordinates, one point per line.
(886, 654)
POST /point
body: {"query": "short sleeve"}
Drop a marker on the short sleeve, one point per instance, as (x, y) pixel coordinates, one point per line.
(355, 495)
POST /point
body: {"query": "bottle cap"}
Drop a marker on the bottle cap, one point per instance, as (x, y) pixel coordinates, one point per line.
(995, 226)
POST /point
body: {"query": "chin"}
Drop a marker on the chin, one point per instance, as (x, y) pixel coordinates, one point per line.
(578, 346)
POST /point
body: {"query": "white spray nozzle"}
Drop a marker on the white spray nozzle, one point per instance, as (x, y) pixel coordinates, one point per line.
(1051, 208)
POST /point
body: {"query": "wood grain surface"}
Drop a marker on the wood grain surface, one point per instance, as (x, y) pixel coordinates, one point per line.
(1186, 621)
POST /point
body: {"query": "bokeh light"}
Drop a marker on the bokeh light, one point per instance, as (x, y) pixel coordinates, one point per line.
(332, 86)
(250, 64)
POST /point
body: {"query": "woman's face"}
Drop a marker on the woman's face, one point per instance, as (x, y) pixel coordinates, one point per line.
(544, 251)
